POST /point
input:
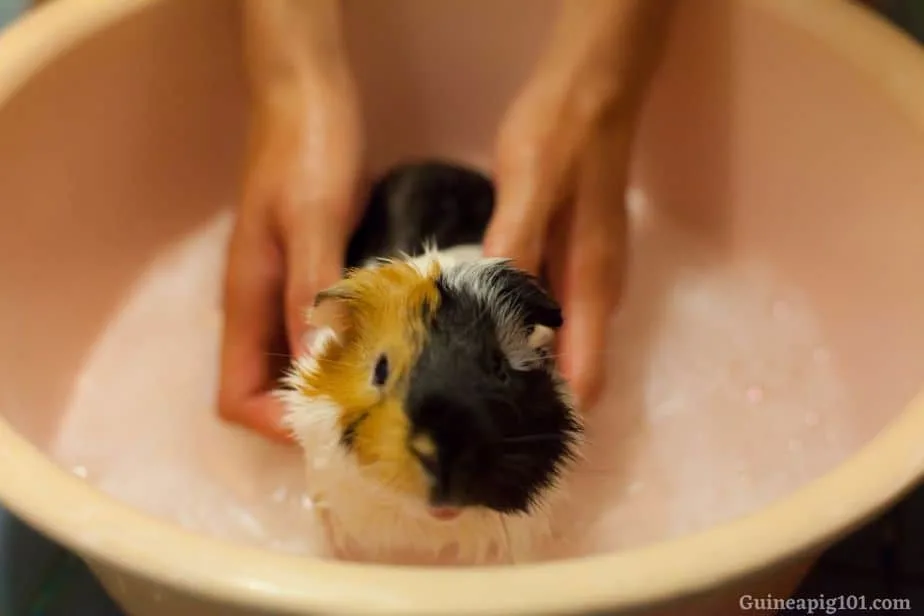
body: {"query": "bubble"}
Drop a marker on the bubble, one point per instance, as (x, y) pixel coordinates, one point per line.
(678, 455)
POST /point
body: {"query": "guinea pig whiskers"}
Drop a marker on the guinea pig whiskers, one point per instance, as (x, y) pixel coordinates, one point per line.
(601, 471)
(595, 352)
(533, 438)
(321, 360)
(343, 364)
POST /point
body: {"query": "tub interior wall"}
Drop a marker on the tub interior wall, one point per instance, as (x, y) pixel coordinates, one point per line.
(755, 140)
(760, 140)
(118, 147)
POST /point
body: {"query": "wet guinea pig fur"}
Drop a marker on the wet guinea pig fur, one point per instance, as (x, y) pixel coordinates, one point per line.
(429, 406)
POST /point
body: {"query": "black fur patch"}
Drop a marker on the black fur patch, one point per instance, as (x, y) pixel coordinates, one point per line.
(501, 434)
(529, 295)
(416, 202)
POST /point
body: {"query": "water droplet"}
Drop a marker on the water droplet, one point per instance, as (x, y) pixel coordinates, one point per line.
(80, 471)
(306, 502)
(280, 494)
(755, 394)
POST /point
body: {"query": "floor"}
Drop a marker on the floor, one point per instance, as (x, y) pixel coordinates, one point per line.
(884, 559)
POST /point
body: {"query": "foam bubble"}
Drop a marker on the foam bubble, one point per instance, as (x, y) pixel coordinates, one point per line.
(678, 446)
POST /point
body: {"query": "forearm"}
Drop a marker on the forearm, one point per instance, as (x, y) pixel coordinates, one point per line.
(615, 44)
(289, 42)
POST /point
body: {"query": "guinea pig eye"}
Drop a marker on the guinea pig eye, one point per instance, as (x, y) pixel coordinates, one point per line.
(380, 373)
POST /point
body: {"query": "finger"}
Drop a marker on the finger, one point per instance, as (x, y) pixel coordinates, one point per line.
(594, 272)
(252, 318)
(557, 239)
(263, 413)
(554, 272)
(532, 169)
(315, 251)
(323, 211)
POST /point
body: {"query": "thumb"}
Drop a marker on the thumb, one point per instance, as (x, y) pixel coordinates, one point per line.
(314, 257)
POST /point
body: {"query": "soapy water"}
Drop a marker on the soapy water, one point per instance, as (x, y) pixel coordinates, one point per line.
(721, 397)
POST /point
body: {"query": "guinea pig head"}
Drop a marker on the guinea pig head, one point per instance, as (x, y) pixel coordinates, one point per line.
(444, 384)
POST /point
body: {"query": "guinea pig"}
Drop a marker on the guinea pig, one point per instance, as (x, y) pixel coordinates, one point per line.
(429, 405)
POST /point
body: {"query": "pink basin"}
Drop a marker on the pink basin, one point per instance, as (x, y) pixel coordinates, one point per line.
(765, 382)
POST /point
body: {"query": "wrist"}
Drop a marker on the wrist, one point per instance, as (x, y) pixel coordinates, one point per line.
(296, 88)
(605, 51)
(291, 45)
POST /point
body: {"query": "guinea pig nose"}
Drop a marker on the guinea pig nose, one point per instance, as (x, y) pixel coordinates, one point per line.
(445, 513)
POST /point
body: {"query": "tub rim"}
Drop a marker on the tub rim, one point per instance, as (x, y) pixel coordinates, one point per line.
(103, 529)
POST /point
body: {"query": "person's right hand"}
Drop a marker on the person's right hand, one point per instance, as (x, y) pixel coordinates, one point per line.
(298, 208)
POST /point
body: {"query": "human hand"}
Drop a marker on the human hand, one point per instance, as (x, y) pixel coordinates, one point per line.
(298, 208)
(562, 164)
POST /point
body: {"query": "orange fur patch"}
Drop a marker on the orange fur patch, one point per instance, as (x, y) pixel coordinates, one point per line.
(376, 311)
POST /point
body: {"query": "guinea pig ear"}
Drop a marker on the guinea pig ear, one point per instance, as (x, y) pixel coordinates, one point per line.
(332, 310)
(540, 310)
(547, 314)
(541, 337)
(543, 315)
